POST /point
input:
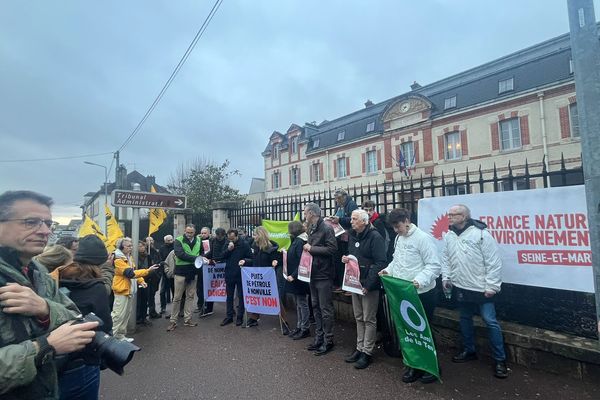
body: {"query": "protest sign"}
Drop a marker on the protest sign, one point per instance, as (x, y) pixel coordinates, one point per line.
(542, 234)
(351, 281)
(214, 282)
(337, 228)
(305, 266)
(206, 246)
(259, 285)
(278, 231)
(412, 327)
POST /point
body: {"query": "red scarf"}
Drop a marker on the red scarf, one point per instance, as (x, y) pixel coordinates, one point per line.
(374, 217)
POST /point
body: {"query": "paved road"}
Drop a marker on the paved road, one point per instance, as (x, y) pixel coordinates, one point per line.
(213, 362)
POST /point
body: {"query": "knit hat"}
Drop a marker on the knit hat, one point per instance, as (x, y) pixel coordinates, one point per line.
(91, 251)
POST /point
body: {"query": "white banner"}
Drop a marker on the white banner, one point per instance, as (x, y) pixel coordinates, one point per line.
(542, 234)
(259, 285)
(214, 282)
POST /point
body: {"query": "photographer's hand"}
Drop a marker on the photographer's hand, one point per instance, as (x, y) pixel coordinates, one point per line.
(70, 337)
(18, 299)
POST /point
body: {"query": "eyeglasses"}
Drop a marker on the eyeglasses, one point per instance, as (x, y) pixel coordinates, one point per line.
(32, 223)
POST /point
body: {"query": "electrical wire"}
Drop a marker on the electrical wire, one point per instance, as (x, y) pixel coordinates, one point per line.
(55, 158)
(183, 59)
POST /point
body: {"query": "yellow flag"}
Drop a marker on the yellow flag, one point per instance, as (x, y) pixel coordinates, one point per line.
(89, 227)
(113, 230)
(157, 217)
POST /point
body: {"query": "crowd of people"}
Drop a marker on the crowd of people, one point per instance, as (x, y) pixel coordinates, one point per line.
(44, 289)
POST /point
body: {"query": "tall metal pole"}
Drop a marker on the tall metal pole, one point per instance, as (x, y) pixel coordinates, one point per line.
(585, 53)
(117, 180)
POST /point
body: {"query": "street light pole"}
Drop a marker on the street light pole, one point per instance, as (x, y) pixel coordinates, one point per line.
(105, 193)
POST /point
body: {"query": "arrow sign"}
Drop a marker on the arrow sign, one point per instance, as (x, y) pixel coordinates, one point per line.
(131, 198)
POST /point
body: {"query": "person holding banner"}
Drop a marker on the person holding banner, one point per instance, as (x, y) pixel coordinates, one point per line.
(322, 246)
(471, 263)
(187, 248)
(236, 250)
(344, 207)
(205, 308)
(416, 260)
(264, 254)
(293, 285)
(368, 248)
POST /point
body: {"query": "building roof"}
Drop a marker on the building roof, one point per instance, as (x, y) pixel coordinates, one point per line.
(257, 186)
(535, 67)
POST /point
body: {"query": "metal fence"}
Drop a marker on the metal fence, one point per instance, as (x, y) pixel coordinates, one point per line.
(557, 310)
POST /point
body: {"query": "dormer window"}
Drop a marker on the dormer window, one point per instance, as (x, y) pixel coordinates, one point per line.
(371, 126)
(275, 153)
(341, 135)
(506, 85)
(294, 145)
(450, 102)
(315, 143)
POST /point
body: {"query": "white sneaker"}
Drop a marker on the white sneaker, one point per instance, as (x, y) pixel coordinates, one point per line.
(127, 339)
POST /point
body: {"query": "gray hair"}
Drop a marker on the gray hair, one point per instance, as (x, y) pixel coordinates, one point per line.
(313, 208)
(119, 244)
(465, 209)
(7, 200)
(168, 237)
(191, 226)
(362, 214)
(205, 227)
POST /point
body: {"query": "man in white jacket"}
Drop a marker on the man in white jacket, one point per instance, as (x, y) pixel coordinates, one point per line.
(415, 259)
(471, 263)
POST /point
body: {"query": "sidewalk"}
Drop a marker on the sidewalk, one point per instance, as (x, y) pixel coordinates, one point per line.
(213, 362)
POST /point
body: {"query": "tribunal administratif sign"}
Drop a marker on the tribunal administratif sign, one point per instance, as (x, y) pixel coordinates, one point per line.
(542, 234)
(130, 198)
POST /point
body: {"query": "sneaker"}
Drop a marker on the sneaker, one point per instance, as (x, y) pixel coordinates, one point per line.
(172, 326)
(464, 356)
(226, 321)
(190, 323)
(127, 339)
(294, 332)
(206, 314)
(500, 370)
(251, 322)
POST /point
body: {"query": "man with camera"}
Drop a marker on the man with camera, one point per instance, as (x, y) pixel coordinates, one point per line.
(35, 319)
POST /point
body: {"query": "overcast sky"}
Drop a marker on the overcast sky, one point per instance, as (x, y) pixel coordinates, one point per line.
(77, 76)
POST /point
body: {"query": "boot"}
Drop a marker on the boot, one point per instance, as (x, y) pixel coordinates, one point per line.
(363, 361)
(352, 358)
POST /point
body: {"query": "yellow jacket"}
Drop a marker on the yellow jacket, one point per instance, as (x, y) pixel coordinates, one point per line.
(121, 283)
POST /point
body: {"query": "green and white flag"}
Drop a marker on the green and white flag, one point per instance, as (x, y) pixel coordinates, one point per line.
(411, 325)
(278, 231)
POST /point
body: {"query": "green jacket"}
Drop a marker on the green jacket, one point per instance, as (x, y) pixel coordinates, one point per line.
(19, 377)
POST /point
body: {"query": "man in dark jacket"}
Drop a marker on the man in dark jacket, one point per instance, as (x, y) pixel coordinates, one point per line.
(153, 280)
(367, 246)
(322, 246)
(218, 245)
(345, 206)
(235, 251)
(167, 286)
(187, 248)
(205, 308)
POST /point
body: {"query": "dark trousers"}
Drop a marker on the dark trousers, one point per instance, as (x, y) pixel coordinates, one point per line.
(80, 383)
(429, 300)
(167, 290)
(142, 304)
(200, 294)
(233, 285)
(322, 302)
(152, 289)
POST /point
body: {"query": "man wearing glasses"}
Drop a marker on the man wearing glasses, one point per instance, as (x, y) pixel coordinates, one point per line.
(34, 322)
(471, 263)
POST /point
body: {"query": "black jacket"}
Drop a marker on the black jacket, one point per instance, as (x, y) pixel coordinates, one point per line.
(347, 209)
(263, 258)
(241, 251)
(370, 254)
(323, 248)
(293, 260)
(164, 250)
(217, 249)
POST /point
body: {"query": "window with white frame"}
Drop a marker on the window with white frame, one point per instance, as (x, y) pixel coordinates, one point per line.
(341, 135)
(408, 152)
(316, 172)
(294, 145)
(275, 151)
(517, 184)
(452, 190)
(276, 180)
(315, 143)
(371, 159)
(341, 167)
(510, 134)
(450, 102)
(453, 148)
(371, 126)
(506, 85)
(574, 118)
(295, 177)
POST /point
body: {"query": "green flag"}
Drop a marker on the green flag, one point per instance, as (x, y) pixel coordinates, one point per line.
(411, 325)
(278, 231)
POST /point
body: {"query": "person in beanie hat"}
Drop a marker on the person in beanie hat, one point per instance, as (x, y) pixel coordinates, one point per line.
(92, 251)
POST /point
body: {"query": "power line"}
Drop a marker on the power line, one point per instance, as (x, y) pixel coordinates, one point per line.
(174, 73)
(55, 158)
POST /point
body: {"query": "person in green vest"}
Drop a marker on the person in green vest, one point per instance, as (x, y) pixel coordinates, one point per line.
(187, 248)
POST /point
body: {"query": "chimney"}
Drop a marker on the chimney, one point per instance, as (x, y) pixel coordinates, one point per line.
(150, 180)
(415, 86)
(368, 103)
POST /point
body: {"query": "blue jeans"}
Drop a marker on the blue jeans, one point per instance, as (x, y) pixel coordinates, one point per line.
(488, 314)
(82, 383)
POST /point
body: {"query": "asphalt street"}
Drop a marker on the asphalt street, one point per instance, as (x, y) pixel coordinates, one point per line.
(213, 362)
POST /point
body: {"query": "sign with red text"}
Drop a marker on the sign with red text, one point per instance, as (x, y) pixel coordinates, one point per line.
(351, 281)
(305, 266)
(214, 282)
(542, 234)
(259, 285)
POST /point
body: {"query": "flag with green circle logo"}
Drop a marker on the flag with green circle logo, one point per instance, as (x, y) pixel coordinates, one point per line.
(412, 328)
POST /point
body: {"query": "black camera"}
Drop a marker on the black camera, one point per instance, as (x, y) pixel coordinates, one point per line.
(113, 353)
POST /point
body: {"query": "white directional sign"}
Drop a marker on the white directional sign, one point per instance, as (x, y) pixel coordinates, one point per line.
(131, 198)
